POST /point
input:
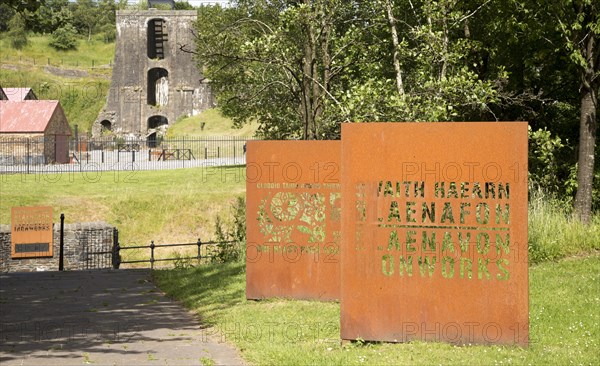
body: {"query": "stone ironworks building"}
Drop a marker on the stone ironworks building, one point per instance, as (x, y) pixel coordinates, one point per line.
(154, 80)
(33, 132)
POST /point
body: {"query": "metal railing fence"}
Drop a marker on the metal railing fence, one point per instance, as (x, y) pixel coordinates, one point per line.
(38, 155)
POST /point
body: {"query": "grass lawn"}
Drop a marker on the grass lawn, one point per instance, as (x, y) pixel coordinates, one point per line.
(564, 322)
(169, 206)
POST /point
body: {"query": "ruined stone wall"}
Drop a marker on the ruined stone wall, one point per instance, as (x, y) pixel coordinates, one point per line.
(128, 106)
(79, 240)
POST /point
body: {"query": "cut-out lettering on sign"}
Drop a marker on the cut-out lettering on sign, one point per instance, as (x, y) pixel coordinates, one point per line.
(293, 216)
(435, 232)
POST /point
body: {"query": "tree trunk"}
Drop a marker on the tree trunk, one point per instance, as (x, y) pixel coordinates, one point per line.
(309, 88)
(587, 145)
(587, 129)
(395, 44)
(308, 61)
(445, 42)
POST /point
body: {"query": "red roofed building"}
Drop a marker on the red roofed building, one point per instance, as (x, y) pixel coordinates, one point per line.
(34, 131)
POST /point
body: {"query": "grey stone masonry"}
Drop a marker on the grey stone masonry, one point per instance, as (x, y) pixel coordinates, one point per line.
(80, 240)
(155, 79)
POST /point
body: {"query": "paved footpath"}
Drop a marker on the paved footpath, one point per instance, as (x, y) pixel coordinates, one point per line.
(112, 317)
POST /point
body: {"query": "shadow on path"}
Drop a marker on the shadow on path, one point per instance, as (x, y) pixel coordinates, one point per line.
(102, 318)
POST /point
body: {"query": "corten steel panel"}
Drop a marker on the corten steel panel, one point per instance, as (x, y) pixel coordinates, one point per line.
(293, 218)
(31, 229)
(435, 265)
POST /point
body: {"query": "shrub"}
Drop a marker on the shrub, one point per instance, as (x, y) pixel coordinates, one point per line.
(235, 234)
(64, 38)
(16, 32)
(554, 233)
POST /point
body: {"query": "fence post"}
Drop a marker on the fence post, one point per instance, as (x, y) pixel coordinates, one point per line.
(116, 259)
(77, 147)
(152, 255)
(61, 263)
(205, 152)
(28, 157)
(199, 253)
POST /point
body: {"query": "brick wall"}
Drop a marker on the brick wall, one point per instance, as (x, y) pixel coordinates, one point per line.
(79, 239)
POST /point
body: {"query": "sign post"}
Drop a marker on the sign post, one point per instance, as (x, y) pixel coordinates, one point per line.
(31, 232)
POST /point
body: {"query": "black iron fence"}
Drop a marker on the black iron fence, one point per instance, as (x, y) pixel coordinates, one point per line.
(43, 155)
(202, 252)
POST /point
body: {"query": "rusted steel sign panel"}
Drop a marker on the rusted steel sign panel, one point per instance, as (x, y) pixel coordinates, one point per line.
(434, 232)
(31, 232)
(293, 218)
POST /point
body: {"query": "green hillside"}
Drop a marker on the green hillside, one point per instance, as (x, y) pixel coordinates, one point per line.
(214, 124)
(79, 79)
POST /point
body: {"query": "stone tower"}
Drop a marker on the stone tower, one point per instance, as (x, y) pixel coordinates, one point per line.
(153, 82)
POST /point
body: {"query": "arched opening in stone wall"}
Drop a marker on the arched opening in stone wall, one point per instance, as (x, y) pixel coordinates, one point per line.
(157, 121)
(154, 123)
(106, 125)
(157, 39)
(158, 86)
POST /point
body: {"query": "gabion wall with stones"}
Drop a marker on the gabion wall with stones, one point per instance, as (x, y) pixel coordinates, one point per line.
(80, 240)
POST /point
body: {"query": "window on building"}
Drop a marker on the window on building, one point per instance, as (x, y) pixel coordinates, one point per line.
(158, 87)
(157, 39)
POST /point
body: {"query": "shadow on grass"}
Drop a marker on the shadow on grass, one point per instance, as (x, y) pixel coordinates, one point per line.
(207, 289)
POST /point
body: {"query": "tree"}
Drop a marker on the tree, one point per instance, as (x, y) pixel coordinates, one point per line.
(107, 21)
(274, 61)
(20, 5)
(86, 16)
(550, 50)
(64, 38)
(302, 67)
(17, 32)
(421, 68)
(579, 25)
(50, 16)
(6, 14)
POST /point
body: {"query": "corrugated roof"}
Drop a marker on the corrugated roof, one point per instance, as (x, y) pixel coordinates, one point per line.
(16, 93)
(26, 116)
